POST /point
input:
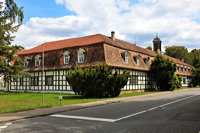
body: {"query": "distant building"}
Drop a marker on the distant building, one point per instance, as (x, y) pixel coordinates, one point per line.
(62, 55)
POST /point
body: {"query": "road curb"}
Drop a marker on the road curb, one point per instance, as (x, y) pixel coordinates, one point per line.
(58, 109)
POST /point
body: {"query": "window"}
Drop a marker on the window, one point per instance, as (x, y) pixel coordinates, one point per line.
(49, 80)
(146, 61)
(81, 55)
(179, 68)
(182, 69)
(34, 81)
(137, 59)
(184, 80)
(37, 60)
(21, 80)
(133, 80)
(66, 57)
(125, 56)
(26, 61)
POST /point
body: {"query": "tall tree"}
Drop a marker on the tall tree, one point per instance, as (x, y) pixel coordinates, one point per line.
(163, 73)
(193, 58)
(178, 52)
(11, 17)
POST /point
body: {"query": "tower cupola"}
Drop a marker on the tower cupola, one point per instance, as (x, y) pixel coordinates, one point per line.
(157, 44)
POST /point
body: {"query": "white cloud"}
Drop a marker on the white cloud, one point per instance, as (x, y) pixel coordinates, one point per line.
(176, 21)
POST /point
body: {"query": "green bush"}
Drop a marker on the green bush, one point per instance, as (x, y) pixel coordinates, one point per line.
(176, 82)
(162, 71)
(97, 81)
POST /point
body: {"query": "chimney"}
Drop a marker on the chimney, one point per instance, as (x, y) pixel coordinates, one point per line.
(113, 35)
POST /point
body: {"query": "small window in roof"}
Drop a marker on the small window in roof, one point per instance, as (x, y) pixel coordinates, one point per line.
(125, 56)
(66, 57)
(146, 61)
(81, 55)
(37, 60)
(137, 59)
(26, 61)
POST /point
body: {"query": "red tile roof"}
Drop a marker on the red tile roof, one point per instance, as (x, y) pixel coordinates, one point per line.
(88, 40)
(72, 42)
(177, 61)
(94, 39)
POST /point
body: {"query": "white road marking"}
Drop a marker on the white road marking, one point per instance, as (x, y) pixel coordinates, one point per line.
(5, 126)
(141, 112)
(84, 118)
(8, 124)
(122, 118)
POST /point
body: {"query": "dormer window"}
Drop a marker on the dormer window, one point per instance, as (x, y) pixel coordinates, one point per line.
(137, 59)
(182, 69)
(81, 55)
(37, 60)
(179, 68)
(66, 57)
(26, 61)
(125, 57)
(146, 61)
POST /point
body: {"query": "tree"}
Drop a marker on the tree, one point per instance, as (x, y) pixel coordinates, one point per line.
(11, 17)
(193, 58)
(162, 71)
(178, 52)
(149, 47)
(196, 77)
(99, 81)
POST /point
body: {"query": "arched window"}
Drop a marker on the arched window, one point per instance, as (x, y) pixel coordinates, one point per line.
(37, 60)
(66, 57)
(81, 55)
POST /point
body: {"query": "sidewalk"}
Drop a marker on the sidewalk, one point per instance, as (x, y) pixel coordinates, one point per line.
(56, 109)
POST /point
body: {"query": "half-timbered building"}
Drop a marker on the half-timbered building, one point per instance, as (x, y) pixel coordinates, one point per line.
(87, 51)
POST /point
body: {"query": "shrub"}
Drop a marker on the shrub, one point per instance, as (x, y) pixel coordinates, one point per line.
(176, 82)
(97, 81)
(162, 71)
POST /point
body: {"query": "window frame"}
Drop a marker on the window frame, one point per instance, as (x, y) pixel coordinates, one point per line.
(46, 80)
(146, 61)
(66, 57)
(81, 53)
(133, 80)
(137, 60)
(26, 62)
(34, 81)
(126, 57)
(37, 61)
(21, 81)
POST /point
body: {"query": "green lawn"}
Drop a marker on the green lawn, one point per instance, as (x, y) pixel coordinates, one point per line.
(12, 102)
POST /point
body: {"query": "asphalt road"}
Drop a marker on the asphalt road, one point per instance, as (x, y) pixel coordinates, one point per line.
(170, 113)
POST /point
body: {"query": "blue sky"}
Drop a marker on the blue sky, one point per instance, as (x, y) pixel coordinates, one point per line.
(177, 22)
(42, 8)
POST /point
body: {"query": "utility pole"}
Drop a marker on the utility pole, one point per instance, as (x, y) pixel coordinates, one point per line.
(43, 74)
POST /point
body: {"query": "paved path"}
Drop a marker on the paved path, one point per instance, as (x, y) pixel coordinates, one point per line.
(162, 112)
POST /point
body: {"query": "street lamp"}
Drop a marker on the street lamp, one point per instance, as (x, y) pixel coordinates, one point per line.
(43, 74)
